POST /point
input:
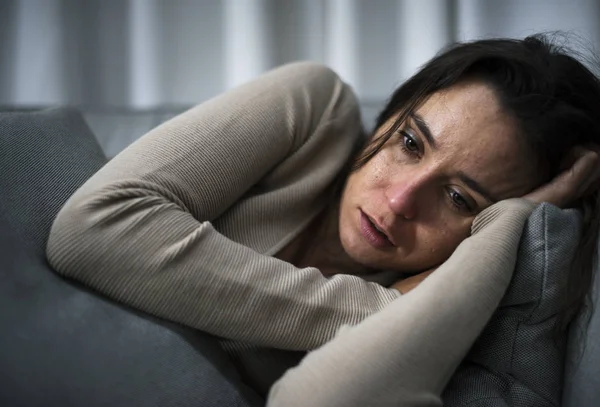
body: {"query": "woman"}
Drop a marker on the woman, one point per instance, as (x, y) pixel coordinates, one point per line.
(266, 218)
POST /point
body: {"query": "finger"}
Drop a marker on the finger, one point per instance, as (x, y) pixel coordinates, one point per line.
(593, 184)
(573, 183)
(586, 172)
(568, 186)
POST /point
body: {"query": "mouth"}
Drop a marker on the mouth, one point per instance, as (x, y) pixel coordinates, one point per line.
(373, 234)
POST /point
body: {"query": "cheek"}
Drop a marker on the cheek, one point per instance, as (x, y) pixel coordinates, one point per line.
(377, 173)
(369, 177)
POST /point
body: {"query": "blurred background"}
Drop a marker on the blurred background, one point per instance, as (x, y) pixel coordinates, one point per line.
(125, 56)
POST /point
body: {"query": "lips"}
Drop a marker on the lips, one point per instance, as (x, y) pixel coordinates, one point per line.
(372, 234)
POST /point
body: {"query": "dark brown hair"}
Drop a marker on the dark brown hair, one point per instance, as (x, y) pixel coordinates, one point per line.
(555, 100)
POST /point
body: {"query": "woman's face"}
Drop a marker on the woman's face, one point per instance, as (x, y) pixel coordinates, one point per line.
(456, 155)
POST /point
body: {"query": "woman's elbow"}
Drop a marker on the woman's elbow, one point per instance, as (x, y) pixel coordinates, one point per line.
(72, 247)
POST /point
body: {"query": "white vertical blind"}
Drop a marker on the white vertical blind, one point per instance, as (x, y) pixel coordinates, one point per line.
(150, 53)
(314, 22)
(424, 27)
(248, 49)
(37, 63)
(518, 18)
(341, 50)
(145, 44)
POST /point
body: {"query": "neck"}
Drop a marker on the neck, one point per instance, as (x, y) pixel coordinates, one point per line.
(324, 249)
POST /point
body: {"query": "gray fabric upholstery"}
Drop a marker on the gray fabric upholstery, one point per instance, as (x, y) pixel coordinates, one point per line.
(517, 361)
(582, 374)
(59, 343)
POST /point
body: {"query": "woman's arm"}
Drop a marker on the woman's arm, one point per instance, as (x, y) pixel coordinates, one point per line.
(405, 354)
(140, 230)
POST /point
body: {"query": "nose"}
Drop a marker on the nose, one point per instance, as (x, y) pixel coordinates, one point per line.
(404, 194)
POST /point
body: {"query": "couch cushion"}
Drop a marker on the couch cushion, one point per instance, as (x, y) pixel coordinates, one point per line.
(61, 344)
(582, 374)
(517, 361)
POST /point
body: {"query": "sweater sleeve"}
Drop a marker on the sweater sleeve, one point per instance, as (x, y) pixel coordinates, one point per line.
(140, 231)
(405, 354)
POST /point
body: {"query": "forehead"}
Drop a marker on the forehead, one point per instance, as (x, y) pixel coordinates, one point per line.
(470, 113)
(474, 135)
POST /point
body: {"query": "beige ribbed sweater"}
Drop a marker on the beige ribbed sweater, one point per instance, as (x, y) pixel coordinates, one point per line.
(184, 223)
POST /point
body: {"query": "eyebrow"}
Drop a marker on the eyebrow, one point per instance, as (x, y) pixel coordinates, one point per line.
(424, 129)
(475, 186)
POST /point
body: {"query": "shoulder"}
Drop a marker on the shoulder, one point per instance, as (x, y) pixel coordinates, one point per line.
(316, 83)
(308, 73)
(324, 105)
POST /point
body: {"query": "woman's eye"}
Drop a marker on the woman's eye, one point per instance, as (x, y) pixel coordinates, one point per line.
(458, 201)
(409, 143)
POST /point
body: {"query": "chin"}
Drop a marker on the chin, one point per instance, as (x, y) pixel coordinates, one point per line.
(366, 255)
(362, 253)
(356, 249)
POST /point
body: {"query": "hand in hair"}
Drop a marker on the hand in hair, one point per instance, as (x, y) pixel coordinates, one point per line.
(580, 179)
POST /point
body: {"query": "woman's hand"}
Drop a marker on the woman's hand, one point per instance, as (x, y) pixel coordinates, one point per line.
(580, 179)
(409, 283)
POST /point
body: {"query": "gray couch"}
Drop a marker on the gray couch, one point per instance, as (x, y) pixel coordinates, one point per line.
(63, 345)
(60, 344)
